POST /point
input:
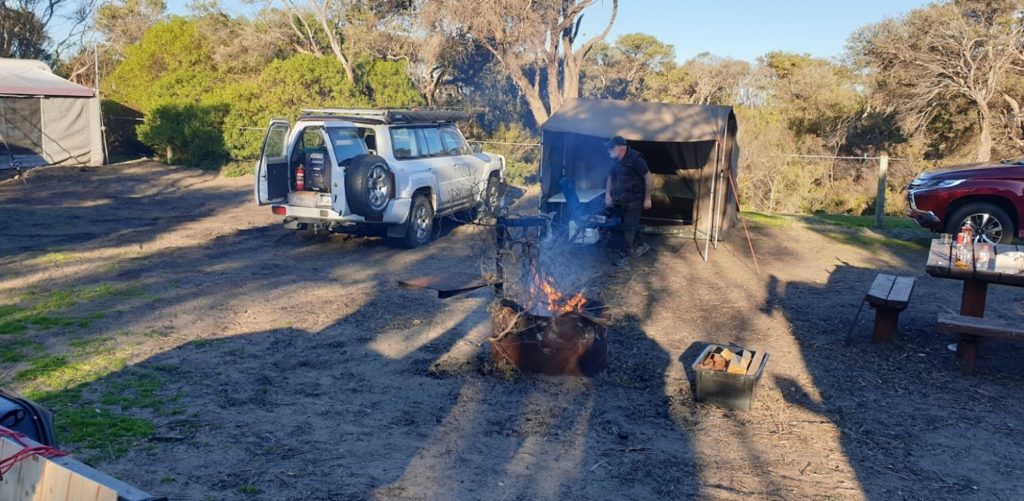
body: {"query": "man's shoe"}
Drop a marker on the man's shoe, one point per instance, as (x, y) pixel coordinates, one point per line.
(639, 251)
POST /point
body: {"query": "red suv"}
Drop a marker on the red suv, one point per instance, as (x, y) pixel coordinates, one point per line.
(988, 197)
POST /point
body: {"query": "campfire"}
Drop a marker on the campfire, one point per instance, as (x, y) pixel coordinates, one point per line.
(553, 300)
(542, 321)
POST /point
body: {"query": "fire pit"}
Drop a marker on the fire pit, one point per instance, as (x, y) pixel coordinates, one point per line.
(573, 343)
(541, 321)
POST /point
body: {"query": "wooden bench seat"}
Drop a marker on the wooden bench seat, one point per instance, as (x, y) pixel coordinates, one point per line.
(889, 295)
(971, 329)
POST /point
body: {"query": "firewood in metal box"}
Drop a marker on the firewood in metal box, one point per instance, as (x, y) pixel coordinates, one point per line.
(732, 391)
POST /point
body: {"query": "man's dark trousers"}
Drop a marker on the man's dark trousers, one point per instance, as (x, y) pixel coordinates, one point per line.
(632, 237)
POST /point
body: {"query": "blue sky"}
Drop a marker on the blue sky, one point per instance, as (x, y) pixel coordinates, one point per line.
(743, 29)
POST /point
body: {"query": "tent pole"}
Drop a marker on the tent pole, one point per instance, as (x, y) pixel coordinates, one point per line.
(103, 132)
(711, 205)
(96, 67)
(718, 213)
(713, 234)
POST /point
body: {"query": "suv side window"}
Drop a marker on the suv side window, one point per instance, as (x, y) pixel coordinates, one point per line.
(403, 143)
(434, 147)
(369, 138)
(454, 144)
(347, 143)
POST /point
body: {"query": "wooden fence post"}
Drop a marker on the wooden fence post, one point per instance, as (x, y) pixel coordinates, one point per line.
(883, 170)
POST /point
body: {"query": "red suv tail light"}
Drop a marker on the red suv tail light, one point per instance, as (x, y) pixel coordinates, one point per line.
(280, 210)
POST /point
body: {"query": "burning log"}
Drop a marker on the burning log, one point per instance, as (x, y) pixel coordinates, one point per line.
(571, 343)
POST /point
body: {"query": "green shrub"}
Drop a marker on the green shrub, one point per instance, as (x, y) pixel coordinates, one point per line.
(171, 63)
(191, 111)
(387, 84)
(186, 134)
(237, 168)
(520, 173)
(522, 159)
(282, 90)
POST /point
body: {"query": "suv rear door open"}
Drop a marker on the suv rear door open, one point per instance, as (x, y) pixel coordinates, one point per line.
(272, 177)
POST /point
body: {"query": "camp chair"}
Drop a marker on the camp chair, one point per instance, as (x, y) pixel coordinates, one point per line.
(579, 214)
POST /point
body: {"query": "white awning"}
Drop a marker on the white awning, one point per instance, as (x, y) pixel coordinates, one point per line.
(26, 77)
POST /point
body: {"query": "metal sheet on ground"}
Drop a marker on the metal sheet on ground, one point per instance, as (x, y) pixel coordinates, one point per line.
(448, 285)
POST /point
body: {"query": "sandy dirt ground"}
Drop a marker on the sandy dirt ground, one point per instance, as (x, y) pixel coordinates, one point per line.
(283, 369)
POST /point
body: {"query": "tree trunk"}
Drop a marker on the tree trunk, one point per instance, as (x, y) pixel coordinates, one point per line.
(530, 92)
(533, 100)
(572, 61)
(985, 141)
(571, 77)
(332, 37)
(336, 48)
(1017, 127)
(554, 90)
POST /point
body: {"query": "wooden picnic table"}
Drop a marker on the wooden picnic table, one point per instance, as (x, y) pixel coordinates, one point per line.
(970, 324)
(976, 278)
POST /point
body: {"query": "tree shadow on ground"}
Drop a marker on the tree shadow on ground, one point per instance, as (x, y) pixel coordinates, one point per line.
(355, 376)
(910, 424)
(388, 402)
(135, 204)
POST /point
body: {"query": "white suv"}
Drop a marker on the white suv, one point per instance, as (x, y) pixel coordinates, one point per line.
(372, 172)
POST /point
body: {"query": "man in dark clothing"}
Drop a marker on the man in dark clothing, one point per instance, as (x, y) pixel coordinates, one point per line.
(628, 193)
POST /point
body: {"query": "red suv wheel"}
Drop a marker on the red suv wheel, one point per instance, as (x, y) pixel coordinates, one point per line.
(988, 222)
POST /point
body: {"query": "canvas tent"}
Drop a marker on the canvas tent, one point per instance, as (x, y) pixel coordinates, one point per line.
(689, 148)
(45, 119)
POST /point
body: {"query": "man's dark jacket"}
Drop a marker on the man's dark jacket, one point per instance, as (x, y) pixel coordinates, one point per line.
(628, 183)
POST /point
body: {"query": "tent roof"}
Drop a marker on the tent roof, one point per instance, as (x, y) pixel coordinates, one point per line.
(641, 121)
(26, 77)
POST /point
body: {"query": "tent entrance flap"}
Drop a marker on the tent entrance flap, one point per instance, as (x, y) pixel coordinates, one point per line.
(677, 170)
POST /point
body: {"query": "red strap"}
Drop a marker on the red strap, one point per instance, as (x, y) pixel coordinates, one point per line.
(13, 435)
(40, 450)
(44, 451)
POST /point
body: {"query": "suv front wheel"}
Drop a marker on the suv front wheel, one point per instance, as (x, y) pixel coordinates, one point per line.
(988, 222)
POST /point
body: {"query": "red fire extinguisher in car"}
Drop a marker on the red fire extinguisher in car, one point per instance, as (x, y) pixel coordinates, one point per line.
(300, 178)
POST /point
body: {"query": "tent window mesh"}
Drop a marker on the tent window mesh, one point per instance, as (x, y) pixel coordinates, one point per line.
(21, 135)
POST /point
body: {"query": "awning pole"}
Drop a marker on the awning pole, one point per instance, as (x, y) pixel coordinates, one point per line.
(711, 205)
(718, 212)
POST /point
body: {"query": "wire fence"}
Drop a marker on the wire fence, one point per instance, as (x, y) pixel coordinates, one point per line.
(771, 183)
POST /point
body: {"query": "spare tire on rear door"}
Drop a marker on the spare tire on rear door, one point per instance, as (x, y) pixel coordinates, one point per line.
(369, 186)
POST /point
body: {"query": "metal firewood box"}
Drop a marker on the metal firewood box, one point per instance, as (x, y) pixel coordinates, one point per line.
(732, 391)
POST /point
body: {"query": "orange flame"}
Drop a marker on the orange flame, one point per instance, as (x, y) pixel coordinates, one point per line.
(558, 303)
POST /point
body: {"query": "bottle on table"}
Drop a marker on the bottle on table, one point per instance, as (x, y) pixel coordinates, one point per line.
(983, 255)
(962, 251)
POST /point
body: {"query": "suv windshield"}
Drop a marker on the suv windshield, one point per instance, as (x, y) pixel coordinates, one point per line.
(347, 143)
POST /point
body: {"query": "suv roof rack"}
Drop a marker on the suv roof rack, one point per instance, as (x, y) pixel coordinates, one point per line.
(360, 115)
